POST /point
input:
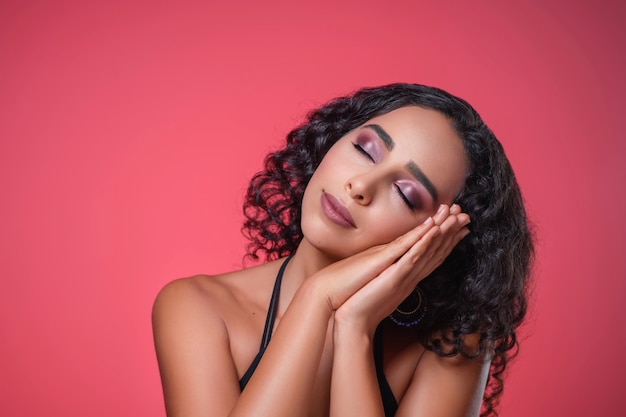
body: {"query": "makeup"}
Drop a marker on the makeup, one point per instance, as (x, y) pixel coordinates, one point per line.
(336, 212)
(370, 145)
(410, 193)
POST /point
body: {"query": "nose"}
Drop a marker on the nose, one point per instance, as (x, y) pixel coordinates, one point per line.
(361, 189)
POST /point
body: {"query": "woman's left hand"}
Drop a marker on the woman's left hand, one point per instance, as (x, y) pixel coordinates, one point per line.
(365, 309)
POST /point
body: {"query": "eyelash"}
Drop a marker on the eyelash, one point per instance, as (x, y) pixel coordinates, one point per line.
(363, 151)
(406, 200)
(398, 189)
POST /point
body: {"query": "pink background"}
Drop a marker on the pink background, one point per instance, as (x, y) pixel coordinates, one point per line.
(129, 130)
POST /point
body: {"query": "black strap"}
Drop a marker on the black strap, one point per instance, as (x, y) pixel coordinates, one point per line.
(389, 400)
(269, 325)
(273, 308)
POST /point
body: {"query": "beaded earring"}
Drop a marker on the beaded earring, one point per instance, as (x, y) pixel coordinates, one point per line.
(411, 311)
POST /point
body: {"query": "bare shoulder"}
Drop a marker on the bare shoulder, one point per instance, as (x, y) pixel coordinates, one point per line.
(212, 311)
(195, 321)
(198, 292)
(210, 296)
(186, 303)
(187, 312)
(448, 385)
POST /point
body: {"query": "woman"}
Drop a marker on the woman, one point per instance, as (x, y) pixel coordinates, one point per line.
(380, 297)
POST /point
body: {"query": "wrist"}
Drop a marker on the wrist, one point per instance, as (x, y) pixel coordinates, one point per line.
(314, 294)
(351, 333)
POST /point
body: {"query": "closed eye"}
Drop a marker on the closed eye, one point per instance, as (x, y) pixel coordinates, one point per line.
(363, 151)
(404, 197)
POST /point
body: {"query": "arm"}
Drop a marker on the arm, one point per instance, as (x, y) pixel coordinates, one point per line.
(197, 369)
(191, 341)
(193, 345)
(354, 386)
(446, 387)
(440, 387)
(283, 382)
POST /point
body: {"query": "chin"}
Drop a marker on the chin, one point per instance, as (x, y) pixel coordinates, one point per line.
(330, 247)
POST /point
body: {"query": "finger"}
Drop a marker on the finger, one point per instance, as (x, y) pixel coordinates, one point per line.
(442, 213)
(448, 225)
(402, 276)
(378, 258)
(449, 236)
(449, 239)
(435, 246)
(464, 218)
(419, 249)
(407, 240)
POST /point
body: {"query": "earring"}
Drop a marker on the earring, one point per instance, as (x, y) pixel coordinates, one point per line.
(414, 310)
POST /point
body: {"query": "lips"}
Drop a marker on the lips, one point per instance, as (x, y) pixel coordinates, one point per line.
(336, 212)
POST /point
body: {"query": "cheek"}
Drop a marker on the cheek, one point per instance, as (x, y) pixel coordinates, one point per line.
(331, 173)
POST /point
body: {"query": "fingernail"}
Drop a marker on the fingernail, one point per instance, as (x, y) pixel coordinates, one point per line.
(454, 207)
(428, 220)
(440, 209)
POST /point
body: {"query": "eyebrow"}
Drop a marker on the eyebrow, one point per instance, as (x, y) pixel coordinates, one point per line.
(421, 177)
(411, 166)
(384, 136)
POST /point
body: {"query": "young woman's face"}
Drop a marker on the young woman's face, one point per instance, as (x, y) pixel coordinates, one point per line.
(381, 180)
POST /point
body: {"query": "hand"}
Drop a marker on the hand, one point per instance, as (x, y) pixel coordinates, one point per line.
(340, 280)
(370, 304)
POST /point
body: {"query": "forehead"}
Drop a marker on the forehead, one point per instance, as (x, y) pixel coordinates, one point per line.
(427, 137)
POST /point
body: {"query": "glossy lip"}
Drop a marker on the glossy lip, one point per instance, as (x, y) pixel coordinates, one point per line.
(336, 212)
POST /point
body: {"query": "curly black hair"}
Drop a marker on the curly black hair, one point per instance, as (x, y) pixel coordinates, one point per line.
(481, 288)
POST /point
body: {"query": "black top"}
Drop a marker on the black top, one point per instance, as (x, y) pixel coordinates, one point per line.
(389, 401)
